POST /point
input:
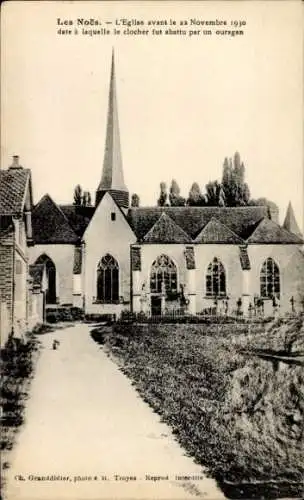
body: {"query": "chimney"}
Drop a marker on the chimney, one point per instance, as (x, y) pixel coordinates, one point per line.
(15, 164)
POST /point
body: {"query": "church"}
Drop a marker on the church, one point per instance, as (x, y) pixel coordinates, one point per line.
(111, 257)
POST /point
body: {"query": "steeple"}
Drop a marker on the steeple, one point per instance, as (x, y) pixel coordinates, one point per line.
(290, 222)
(112, 179)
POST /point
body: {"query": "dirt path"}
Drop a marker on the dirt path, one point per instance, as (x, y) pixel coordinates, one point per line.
(84, 418)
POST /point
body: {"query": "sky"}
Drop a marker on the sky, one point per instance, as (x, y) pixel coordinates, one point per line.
(184, 103)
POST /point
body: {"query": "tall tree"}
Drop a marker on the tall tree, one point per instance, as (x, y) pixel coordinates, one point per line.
(77, 195)
(135, 200)
(162, 200)
(213, 192)
(176, 200)
(235, 189)
(195, 198)
(86, 199)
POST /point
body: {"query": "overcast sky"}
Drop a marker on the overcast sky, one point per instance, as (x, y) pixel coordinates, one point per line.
(184, 102)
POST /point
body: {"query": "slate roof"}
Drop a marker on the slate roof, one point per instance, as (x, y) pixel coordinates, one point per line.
(290, 222)
(216, 232)
(269, 232)
(78, 217)
(13, 185)
(165, 230)
(50, 225)
(67, 223)
(241, 220)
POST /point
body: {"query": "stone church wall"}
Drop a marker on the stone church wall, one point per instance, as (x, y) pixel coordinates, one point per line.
(229, 255)
(63, 258)
(290, 260)
(103, 236)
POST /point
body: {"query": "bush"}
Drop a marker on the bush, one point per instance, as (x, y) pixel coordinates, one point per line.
(234, 413)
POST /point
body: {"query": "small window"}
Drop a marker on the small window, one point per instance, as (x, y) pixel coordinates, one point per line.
(113, 216)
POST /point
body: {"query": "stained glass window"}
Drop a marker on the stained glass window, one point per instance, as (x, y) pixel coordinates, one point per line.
(270, 279)
(216, 279)
(108, 280)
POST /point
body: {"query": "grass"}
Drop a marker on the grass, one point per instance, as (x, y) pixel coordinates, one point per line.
(18, 362)
(236, 414)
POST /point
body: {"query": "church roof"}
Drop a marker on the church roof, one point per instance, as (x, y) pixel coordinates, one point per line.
(50, 225)
(78, 217)
(290, 222)
(165, 230)
(13, 186)
(241, 220)
(216, 232)
(268, 231)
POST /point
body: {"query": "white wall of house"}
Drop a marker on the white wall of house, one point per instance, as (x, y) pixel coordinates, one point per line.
(63, 257)
(104, 235)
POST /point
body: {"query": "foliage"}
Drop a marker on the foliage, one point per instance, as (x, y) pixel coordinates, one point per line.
(195, 198)
(176, 200)
(235, 413)
(77, 195)
(135, 200)
(235, 189)
(86, 199)
(213, 194)
(162, 200)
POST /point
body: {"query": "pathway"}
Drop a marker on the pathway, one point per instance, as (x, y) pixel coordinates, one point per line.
(84, 418)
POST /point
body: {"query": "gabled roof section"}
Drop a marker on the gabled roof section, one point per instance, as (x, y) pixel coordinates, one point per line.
(290, 222)
(78, 216)
(216, 232)
(268, 231)
(241, 220)
(50, 225)
(14, 183)
(165, 230)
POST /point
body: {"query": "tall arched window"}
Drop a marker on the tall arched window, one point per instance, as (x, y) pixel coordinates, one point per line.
(270, 279)
(108, 280)
(50, 295)
(216, 279)
(163, 270)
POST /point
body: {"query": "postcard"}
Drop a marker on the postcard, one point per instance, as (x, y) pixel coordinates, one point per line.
(151, 250)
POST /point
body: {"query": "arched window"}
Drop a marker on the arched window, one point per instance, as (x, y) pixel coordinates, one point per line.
(50, 296)
(108, 280)
(270, 279)
(216, 279)
(163, 271)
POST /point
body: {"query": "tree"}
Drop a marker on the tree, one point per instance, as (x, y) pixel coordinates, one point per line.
(135, 200)
(163, 195)
(235, 189)
(86, 199)
(264, 202)
(77, 195)
(195, 198)
(176, 200)
(213, 192)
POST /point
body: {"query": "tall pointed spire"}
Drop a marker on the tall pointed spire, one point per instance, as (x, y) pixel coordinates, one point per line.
(290, 222)
(112, 179)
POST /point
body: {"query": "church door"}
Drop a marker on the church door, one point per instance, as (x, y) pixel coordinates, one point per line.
(156, 306)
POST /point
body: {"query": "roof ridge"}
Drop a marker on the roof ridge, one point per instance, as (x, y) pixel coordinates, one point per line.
(164, 216)
(221, 224)
(273, 223)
